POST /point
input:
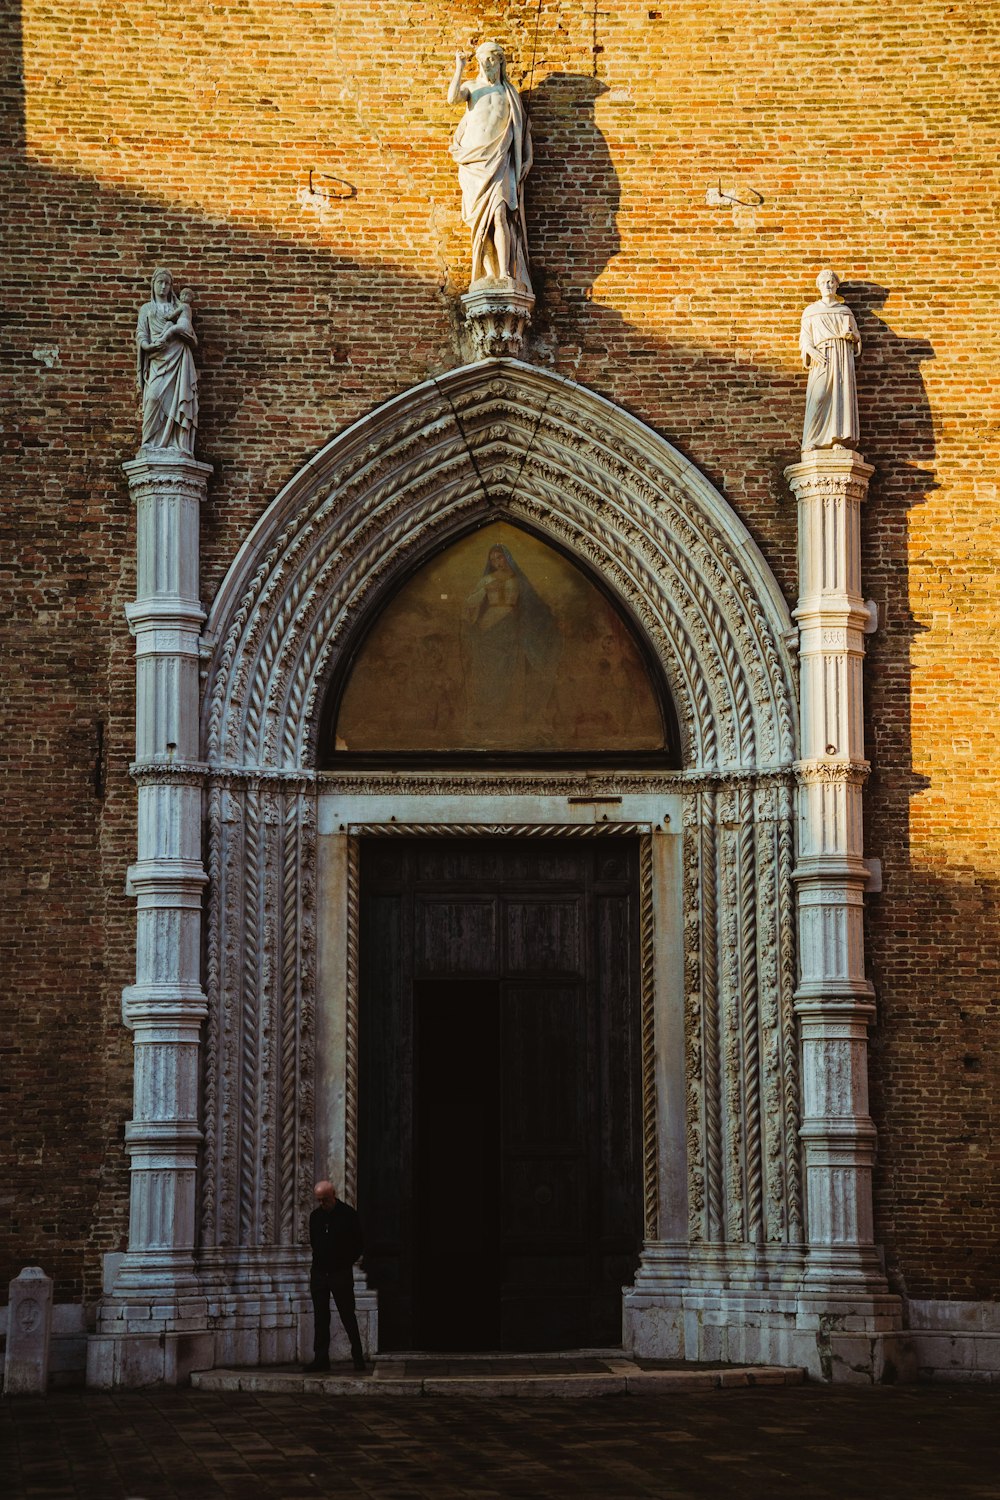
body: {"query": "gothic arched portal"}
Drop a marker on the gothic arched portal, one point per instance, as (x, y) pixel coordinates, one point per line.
(504, 444)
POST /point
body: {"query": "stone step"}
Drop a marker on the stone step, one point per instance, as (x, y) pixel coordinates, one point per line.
(503, 1377)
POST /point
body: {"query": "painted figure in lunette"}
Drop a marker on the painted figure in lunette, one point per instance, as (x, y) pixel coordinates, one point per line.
(166, 377)
(492, 147)
(830, 341)
(511, 649)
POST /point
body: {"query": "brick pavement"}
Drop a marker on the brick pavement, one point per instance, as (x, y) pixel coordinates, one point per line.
(924, 1442)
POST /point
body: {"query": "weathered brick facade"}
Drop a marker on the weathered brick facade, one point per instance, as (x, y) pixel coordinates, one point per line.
(696, 165)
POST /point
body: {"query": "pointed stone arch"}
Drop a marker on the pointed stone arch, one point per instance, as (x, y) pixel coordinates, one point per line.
(501, 439)
(491, 440)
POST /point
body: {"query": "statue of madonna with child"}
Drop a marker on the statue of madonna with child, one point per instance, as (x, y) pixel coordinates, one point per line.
(166, 377)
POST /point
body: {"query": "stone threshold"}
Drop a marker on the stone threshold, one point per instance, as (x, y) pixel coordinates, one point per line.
(503, 1375)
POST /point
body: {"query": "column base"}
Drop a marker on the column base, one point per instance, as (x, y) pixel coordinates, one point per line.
(844, 1269)
(752, 1304)
(838, 1340)
(134, 1360)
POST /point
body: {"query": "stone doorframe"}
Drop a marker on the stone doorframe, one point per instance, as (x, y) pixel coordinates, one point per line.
(225, 1117)
(456, 807)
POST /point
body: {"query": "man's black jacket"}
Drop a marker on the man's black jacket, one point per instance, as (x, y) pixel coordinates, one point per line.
(335, 1237)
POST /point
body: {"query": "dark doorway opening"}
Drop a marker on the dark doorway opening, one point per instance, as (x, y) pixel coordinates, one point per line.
(500, 1090)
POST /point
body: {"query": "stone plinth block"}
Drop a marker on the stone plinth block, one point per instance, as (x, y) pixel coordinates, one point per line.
(497, 314)
(29, 1327)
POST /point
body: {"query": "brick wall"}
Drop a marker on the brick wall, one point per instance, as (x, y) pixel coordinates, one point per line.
(861, 136)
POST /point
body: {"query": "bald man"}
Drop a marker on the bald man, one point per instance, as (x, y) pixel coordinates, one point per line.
(335, 1237)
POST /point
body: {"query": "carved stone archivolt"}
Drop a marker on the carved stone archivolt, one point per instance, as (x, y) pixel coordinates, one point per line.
(489, 440)
(500, 439)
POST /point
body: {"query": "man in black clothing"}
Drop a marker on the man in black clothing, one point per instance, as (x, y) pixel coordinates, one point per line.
(335, 1237)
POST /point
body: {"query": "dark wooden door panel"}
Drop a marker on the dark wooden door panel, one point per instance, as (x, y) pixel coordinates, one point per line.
(455, 935)
(456, 1210)
(461, 865)
(545, 1084)
(544, 1202)
(543, 935)
(500, 1160)
(385, 1044)
(620, 1066)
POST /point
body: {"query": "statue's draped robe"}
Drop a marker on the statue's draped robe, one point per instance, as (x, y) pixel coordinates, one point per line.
(831, 391)
(168, 381)
(490, 173)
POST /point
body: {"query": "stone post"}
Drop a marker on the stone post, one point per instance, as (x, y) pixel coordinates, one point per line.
(151, 1299)
(834, 1000)
(29, 1327)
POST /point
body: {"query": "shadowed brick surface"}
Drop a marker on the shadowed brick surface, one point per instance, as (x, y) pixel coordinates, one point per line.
(841, 1444)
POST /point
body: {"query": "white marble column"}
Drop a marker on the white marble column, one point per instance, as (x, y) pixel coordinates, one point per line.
(153, 1325)
(834, 1000)
(166, 1006)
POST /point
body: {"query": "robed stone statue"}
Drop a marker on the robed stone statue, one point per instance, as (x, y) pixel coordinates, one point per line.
(492, 147)
(166, 377)
(829, 341)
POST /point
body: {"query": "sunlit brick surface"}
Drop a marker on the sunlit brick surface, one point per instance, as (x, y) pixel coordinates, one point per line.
(861, 136)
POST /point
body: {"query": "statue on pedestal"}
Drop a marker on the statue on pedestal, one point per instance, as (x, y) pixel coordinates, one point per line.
(492, 147)
(166, 377)
(830, 341)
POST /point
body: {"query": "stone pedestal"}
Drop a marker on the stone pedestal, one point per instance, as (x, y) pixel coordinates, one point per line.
(155, 1296)
(29, 1328)
(834, 1001)
(497, 314)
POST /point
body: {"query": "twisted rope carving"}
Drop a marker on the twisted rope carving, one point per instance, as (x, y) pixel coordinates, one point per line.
(288, 1143)
(265, 578)
(269, 581)
(751, 1041)
(231, 917)
(269, 1060)
(648, 525)
(769, 1014)
(410, 484)
(651, 524)
(307, 1003)
(627, 574)
(249, 1060)
(693, 1046)
(213, 974)
(327, 628)
(650, 1153)
(647, 484)
(498, 830)
(381, 531)
(714, 1170)
(351, 1021)
(789, 1037)
(731, 1029)
(387, 492)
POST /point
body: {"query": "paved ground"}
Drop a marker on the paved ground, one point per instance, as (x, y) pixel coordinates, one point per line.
(392, 1376)
(922, 1442)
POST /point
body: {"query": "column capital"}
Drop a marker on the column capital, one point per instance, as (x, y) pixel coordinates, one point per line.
(836, 772)
(159, 469)
(827, 471)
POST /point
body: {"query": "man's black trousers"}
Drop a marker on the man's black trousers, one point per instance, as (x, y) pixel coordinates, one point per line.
(340, 1286)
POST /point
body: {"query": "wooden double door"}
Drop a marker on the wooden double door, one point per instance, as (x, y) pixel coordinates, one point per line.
(500, 1081)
